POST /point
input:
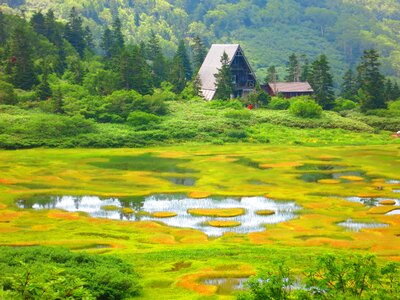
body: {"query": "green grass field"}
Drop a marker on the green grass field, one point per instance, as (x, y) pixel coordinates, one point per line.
(173, 261)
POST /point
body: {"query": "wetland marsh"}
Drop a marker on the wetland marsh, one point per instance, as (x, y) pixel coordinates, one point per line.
(168, 210)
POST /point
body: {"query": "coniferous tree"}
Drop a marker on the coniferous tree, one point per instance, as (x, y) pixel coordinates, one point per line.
(3, 32)
(223, 80)
(58, 102)
(74, 32)
(293, 69)
(133, 71)
(349, 88)
(396, 91)
(305, 69)
(184, 57)
(322, 82)
(107, 43)
(371, 81)
(117, 36)
(272, 75)
(158, 62)
(43, 90)
(20, 65)
(197, 85)
(88, 36)
(199, 53)
(38, 23)
(388, 90)
(178, 74)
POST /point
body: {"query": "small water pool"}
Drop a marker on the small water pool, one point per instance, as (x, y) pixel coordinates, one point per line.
(143, 208)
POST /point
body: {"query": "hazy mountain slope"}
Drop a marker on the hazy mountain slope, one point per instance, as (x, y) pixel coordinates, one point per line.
(270, 29)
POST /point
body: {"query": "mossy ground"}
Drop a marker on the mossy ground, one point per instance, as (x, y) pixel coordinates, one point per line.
(156, 249)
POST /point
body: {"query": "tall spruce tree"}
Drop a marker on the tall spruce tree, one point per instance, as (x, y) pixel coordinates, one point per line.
(134, 73)
(3, 32)
(223, 80)
(349, 88)
(184, 57)
(199, 53)
(293, 69)
(371, 81)
(305, 69)
(117, 36)
(321, 81)
(158, 61)
(20, 65)
(43, 90)
(178, 75)
(74, 32)
(272, 75)
(38, 23)
(107, 43)
(54, 33)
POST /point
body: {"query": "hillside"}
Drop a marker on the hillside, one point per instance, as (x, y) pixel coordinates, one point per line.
(269, 30)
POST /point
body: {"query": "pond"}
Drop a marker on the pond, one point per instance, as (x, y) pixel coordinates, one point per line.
(393, 212)
(173, 210)
(370, 201)
(351, 225)
(343, 177)
(226, 286)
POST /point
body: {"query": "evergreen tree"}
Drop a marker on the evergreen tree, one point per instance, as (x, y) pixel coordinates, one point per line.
(293, 69)
(88, 36)
(322, 82)
(199, 53)
(388, 90)
(178, 75)
(74, 32)
(349, 87)
(3, 32)
(107, 43)
(133, 71)
(20, 65)
(75, 70)
(272, 75)
(117, 36)
(184, 57)
(371, 81)
(38, 23)
(396, 91)
(158, 62)
(58, 102)
(223, 80)
(305, 69)
(43, 90)
(197, 84)
(54, 35)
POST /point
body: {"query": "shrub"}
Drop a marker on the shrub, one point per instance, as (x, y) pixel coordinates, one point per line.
(342, 104)
(394, 106)
(7, 94)
(279, 104)
(143, 120)
(305, 108)
(238, 114)
(221, 104)
(56, 273)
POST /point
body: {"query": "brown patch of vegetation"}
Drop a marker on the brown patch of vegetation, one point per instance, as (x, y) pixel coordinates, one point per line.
(164, 214)
(223, 223)
(329, 181)
(387, 202)
(199, 195)
(265, 212)
(281, 165)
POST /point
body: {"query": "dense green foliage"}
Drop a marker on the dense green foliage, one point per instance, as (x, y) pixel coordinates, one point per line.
(306, 108)
(56, 273)
(330, 277)
(271, 30)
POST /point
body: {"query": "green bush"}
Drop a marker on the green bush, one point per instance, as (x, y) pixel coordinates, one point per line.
(238, 114)
(394, 106)
(390, 123)
(221, 104)
(305, 108)
(56, 273)
(342, 104)
(7, 94)
(279, 104)
(143, 120)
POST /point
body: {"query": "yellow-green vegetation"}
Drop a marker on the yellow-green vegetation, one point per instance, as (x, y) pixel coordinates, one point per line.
(218, 212)
(110, 207)
(127, 211)
(163, 214)
(219, 223)
(155, 250)
(265, 212)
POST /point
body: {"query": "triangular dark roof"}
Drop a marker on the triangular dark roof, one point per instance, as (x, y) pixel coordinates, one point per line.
(211, 65)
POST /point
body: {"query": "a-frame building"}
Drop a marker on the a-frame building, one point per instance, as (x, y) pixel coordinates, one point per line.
(244, 79)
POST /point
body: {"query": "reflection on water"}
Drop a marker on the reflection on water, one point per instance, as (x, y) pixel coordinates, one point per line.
(317, 176)
(320, 167)
(185, 181)
(357, 226)
(226, 286)
(393, 212)
(393, 181)
(372, 201)
(250, 221)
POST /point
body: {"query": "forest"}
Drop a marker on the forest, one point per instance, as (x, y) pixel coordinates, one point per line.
(269, 30)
